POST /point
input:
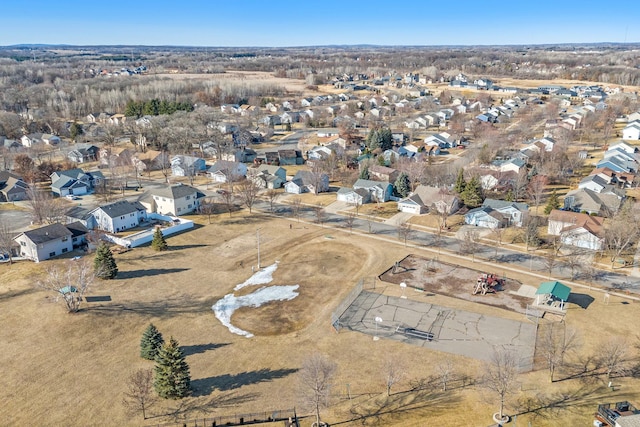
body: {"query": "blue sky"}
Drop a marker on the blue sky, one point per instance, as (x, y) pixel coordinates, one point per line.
(312, 22)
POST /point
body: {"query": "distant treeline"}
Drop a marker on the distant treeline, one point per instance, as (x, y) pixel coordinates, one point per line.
(155, 107)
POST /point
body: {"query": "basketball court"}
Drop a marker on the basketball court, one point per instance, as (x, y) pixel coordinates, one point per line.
(439, 328)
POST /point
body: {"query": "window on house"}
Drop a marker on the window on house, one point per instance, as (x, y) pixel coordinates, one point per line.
(52, 254)
(64, 239)
(64, 250)
(189, 206)
(188, 197)
(23, 243)
(179, 209)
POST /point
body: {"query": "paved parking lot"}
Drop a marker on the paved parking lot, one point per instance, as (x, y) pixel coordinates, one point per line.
(454, 331)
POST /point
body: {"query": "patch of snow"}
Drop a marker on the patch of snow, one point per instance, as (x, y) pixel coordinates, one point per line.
(261, 277)
(225, 307)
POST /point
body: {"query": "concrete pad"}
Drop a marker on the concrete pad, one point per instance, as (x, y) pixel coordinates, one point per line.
(455, 331)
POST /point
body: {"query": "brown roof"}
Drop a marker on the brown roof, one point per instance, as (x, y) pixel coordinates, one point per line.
(592, 223)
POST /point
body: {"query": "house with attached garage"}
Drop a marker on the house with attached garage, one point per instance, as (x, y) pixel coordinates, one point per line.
(12, 187)
(119, 216)
(424, 198)
(226, 171)
(497, 213)
(631, 131)
(187, 165)
(49, 241)
(383, 173)
(586, 200)
(353, 197)
(83, 153)
(307, 182)
(577, 229)
(380, 191)
(267, 176)
(75, 182)
(177, 199)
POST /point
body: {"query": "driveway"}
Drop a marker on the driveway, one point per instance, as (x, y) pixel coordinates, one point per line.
(398, 218)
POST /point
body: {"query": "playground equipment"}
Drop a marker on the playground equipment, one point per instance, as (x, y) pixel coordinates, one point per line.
(487, 282)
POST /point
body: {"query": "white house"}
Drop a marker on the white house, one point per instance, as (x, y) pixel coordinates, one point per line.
(45, 242)
(267, 176)
(227, 171)
(425, 197)
(497, 213)
(306, 181)
(631, 131)
(119, 216)
(174, 200)
(187, 165)
(353, 197)
(577, 229)
(380, 191)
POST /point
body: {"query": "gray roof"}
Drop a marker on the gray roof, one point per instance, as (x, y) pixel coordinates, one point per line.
(77, 229)
(500, 204)
(120, 208)
(47, 233)
(78, 212)
(367, 183)
(175, 191)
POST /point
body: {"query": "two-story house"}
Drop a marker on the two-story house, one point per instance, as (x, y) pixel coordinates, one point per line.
(119, 216)
(178, 199)
(49, 241)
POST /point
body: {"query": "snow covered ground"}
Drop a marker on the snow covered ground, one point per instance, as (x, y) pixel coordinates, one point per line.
(225, 307)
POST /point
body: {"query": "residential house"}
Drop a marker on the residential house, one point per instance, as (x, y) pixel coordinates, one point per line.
(267, 176)
(619, 179)
(119, 216)
(226, 171)
(243, 155)
(115, 156)
(290, 157)
(426, 197)
(307, 181)
(75, 182)
(383, 173)
(497, 213)
(83, 153)
(12, 187)
(577, 229)
(585, 200)
(319, 152)
(352, 196)
(82, 215)
(442, 140)
(39, 138)
(45, 242)
(117, 119)
(187, 165)
(631, 131)
(150, 160)
(380, 191)
(177, 199)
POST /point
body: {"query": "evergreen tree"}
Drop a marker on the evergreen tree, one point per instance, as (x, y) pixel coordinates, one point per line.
(472, 194)
(364, 173)
(552, 203)
(374, 139)
(172, 379)
(159, 243)
(151, 342)
(403, 185)
(386, 139)
(460, 182)
(104, 264)
(75, 130)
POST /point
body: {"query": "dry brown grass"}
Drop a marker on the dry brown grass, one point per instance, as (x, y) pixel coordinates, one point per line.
(61, 369)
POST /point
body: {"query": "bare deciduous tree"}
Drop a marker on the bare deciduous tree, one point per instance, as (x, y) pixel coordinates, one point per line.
(272, 195)
(316, 378)
(296, 206)
(44, 207)
(470, 243)
(321, 214)
(536, 189)
(394, 372)
(6, 239)
(349, 220)
(613, 354)
(208, 208)
(501, 376)
(69, 282)
(445, 370)
(555, 341)
(621, 231)
(227, 195)
(139, 395)
(404, 231)
(248, 192)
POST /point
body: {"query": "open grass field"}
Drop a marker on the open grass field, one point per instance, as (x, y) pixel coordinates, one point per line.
(62, 369)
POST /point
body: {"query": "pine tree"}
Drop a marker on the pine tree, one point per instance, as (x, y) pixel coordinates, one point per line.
(151, 342)
(460, 182)
(552, 203)
(159, 243)
(364, 173)
(104, 264)
(172, 378)
(472, 194)
(403, 185)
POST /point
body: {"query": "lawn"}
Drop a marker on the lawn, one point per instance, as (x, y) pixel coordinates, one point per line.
(56, 364)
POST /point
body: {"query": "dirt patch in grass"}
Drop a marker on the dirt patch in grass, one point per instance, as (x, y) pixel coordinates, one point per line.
(430, 275)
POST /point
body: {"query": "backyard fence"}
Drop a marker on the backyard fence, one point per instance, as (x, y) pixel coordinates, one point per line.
(364, 283)
(239, 419)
